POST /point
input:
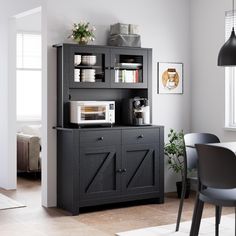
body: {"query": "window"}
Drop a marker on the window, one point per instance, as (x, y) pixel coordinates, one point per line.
(230, 80)
(28, 77)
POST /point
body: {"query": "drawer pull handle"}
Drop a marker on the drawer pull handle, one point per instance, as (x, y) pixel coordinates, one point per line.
(141, 136)
(100, 138)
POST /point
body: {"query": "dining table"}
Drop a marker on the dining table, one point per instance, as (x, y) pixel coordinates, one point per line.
(230, 145)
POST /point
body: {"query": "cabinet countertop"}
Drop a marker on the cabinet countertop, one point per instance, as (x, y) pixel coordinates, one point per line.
(123, 127)
(98, 46)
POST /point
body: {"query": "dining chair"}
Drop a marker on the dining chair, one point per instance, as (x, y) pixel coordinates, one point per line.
(190, 163)
(217, 181)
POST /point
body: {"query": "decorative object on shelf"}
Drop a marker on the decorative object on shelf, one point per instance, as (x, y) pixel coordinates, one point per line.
(227, 54)
(77, 60)
(174, 151)
(119, 28)
(89, 60)
(82, 33)
(170, 78)
(133, 29)
(88, 75)
(77, 75)
(124, 35)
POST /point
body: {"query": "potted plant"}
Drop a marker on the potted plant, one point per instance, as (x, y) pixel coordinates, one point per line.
(174, 151)
(82, 33)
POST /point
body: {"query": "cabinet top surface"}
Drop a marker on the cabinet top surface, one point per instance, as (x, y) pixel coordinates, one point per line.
(96, 46)
(112, 128)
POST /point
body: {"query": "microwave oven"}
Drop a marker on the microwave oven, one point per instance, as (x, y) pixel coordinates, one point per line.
(92, 112)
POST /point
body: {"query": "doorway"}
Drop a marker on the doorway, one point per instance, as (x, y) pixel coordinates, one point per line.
(29, 99)
(27, 73)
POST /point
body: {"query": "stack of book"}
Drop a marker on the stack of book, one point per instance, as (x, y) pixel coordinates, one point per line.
(128, 72)
(128, 76)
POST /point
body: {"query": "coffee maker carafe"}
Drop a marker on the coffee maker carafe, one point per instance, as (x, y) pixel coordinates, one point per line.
(136, 111)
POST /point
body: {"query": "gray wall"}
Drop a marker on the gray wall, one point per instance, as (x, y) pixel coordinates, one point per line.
(208, 80)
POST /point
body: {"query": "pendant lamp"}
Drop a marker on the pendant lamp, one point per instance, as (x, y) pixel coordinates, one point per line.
(227, 54)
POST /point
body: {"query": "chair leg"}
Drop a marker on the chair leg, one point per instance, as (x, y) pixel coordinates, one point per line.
(197, 215)
(181, 205)
(217, 220)
(235, 221)
(220, 212)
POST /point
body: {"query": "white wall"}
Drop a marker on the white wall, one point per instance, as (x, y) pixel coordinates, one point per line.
(208, 86)
(29, 23)
(164, 26)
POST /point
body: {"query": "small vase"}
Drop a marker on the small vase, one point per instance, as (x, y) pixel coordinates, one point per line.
(82, 41)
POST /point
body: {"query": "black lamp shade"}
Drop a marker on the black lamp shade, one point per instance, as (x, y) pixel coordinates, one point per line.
(227, 54)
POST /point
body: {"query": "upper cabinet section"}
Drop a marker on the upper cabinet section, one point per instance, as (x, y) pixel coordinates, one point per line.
(89, 67)
(128, 68)
(104, 66)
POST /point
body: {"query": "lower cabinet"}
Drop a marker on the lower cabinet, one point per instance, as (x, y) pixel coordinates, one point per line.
(109, 165)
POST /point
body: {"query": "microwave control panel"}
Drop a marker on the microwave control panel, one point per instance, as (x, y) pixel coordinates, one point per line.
(111, 113)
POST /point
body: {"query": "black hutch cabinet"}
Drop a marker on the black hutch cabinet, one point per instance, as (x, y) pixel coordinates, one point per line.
(101, 165)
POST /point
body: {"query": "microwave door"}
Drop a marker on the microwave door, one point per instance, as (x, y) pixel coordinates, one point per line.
(93, 114)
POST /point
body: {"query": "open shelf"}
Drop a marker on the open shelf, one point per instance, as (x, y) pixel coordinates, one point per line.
(87, 67)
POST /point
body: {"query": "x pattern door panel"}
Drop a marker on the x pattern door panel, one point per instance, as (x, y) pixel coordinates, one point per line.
(141, 164)
(99, 172)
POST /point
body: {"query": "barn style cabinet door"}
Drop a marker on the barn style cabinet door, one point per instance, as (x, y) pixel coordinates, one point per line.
(100, 172)
(141, 165)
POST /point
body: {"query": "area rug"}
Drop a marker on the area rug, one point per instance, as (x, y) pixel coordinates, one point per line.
(8, 203)
(207, 228)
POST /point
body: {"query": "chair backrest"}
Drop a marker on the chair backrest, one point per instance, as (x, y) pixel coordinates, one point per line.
(216, 166)
(190, 157)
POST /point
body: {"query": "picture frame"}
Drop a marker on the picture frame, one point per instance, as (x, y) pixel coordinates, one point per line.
(170, 78)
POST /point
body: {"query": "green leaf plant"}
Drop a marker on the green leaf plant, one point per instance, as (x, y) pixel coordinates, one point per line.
(174, 151)
(82, 32)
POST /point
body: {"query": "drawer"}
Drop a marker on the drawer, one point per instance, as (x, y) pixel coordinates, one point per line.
(139, 136)
(100, 138)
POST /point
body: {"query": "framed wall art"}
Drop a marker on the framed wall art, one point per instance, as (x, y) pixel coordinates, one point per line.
(170, 78)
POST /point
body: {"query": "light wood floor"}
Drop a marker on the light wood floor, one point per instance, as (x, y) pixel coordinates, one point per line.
(35, 220)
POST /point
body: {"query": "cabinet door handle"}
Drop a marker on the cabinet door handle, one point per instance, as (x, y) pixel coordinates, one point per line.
(100, 138)
(124, 170)
(119, 171)
(141, 136)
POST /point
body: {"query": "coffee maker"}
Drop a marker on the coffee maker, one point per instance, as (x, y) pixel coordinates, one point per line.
(136, 111)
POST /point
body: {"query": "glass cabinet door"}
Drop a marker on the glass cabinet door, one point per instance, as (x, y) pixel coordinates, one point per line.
(89, 67)
(128, 68)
